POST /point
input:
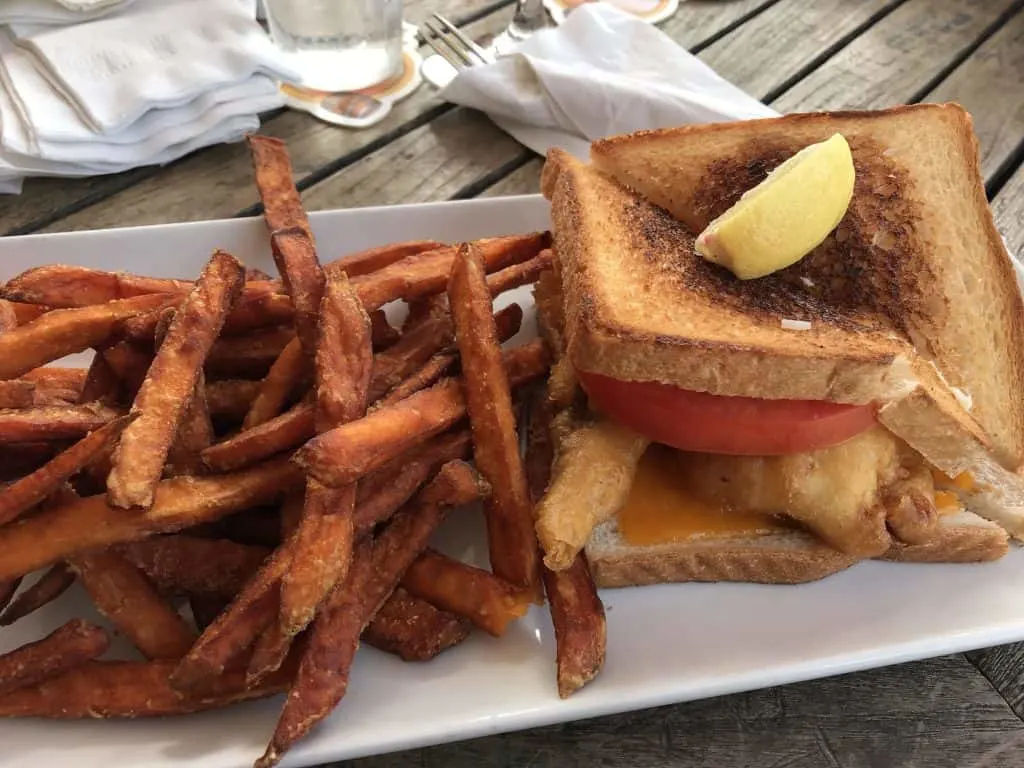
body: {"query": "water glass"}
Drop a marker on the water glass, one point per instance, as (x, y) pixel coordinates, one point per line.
(339, 45)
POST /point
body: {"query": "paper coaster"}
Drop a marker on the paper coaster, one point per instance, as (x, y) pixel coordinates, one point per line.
(654, 11)
(367, 106)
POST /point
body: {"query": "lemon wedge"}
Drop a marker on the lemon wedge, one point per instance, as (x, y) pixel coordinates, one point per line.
(786, 216)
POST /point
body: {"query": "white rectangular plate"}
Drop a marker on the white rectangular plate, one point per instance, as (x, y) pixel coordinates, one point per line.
(666, 644)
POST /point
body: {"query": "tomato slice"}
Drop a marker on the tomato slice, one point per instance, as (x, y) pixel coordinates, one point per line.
(740, 426)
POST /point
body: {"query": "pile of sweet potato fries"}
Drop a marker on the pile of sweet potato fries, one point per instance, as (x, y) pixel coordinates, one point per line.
(246, 478)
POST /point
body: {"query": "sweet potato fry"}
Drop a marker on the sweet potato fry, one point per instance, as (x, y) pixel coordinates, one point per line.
(72, 645)
(421, 310)
(195, 429)
(258, 307)
(323, 541)
(58, 422)
(376, 569)
(516, 275)
(384, 491)
(511, 540)
(348, 452)
(508, 322)
(131, 689)
(292, 428)
(46, 396)
(89, 523)
(26, 313)
(259, 310)
(171, 380)
(427, 375)
(286, 376)
(248, 356)
(130, 363)
(194, 435)
(32, 489)
(577, 612)
(64, 286)
(8, 317)
(427, 273)
(57, 377)
(125, 596)
(17, 393)
(254, 609)
(489, 602)
(268, 653)
(344, 357)
(413, 629)
(181, 564)
(230, 399)
(101, 383)
(65, 331)
(372, 259)
(282, 206)
(421, 340)
(295, 255)
(45, 590)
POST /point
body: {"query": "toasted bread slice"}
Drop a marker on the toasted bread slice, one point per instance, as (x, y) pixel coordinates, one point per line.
(917, 255)
(640, 304)
(781, 558)
(962, 537)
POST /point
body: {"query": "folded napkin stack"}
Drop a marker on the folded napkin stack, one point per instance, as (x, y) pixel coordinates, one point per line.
(602, 72)
(90, 87)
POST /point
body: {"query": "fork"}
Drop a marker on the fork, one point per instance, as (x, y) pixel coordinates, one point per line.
(461, 52)
(452, 45)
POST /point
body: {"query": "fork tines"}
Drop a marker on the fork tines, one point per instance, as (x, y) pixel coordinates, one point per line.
(457, 49)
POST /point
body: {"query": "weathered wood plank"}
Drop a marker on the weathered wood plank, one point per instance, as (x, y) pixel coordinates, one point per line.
(389, 175)
(897, 57)
(1008, 209)
(216, 182)
(431, 163)
(699, 21)
(774, 47)
(1004, 668)
(522, 181)
(984, 84)
(937, 713)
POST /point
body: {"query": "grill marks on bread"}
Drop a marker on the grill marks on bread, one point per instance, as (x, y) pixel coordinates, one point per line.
(861, 277)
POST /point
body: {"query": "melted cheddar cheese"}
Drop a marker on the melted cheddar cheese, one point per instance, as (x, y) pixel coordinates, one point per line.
(660, 510)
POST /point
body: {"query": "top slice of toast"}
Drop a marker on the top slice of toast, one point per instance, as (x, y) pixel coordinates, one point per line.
(915, 268)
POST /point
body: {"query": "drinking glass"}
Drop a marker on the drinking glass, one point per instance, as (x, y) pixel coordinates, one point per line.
(339, 45)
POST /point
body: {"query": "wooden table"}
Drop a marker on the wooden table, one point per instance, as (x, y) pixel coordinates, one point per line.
(962, 710)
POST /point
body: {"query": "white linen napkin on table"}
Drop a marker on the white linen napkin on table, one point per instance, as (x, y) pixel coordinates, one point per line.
(151, 82)
(161, 55)
(601, 73)
(56, 11)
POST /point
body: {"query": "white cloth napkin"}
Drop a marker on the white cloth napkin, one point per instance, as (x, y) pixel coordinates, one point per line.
(148, 83)
(156, 55)
(602, 72)
(56, 11)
